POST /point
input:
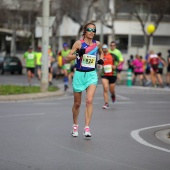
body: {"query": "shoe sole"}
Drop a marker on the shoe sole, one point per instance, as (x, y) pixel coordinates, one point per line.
(87, 136)
(105, 107)
(74, 135)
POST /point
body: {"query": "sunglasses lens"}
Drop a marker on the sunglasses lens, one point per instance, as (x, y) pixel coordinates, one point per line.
(91, 30)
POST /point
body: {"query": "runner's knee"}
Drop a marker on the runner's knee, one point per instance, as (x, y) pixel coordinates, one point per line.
(77, 105)
(89, 101)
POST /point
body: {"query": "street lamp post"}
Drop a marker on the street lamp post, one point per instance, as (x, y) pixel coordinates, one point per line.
(45, 44)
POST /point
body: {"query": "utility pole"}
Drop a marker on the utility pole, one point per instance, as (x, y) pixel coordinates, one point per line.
(45, 44)
(101, 24)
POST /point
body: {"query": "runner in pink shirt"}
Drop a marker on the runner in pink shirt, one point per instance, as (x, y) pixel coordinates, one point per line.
(138, 69)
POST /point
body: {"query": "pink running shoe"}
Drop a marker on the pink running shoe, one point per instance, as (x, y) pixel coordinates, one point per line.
(74, 131)
(86, 132)
(106, 106)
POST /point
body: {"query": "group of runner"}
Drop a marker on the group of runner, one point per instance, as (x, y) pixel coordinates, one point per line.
(33, 62)
(150, 69)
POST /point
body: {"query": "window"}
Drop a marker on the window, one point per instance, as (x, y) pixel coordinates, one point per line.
(137, 41)
(122, 43)
(161, 40)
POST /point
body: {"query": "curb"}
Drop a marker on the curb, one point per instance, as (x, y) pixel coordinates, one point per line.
(163, 135)
(31, 96)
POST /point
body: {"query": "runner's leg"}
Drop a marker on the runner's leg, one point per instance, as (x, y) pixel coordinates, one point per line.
(76, 107)
(105, 84)
(89, 103)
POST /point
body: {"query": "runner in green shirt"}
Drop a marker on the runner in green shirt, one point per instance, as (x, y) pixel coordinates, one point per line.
(115, 51)
(39, 62)
(66, 66)
(30, 61)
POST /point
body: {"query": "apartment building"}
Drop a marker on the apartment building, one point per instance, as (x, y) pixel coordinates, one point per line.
(128, 31)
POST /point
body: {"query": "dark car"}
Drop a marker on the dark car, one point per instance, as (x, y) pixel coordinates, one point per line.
(12, 65)
(1, 63)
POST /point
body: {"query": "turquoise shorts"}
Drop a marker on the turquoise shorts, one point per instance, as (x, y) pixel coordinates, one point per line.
(82, 80)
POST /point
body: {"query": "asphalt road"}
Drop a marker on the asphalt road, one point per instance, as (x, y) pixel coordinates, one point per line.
(35, 134)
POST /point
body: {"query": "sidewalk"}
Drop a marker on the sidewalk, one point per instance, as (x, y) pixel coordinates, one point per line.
(31, 96)
(21, 80)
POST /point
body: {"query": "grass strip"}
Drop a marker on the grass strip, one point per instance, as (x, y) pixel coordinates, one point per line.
(15, 89)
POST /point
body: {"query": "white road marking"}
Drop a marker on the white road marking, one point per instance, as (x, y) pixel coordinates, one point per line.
(30, 114)
(135, 135)
(122, 97)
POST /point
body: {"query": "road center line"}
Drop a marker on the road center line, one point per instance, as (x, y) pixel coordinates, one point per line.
(135, 135)
(30, 114)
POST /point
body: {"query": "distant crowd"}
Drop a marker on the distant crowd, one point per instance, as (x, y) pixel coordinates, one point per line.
(150, 69)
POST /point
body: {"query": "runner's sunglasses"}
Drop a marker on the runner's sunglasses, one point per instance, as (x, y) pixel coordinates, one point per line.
(91, 30)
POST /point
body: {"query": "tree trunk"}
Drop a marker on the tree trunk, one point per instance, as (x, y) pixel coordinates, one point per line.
(147, 43)
(13, 43)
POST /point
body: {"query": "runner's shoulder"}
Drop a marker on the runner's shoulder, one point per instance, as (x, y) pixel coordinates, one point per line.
(77, 44)
(98, 43)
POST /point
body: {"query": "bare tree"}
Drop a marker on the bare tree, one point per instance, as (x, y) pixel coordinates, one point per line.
(79, 11)
(143, 9)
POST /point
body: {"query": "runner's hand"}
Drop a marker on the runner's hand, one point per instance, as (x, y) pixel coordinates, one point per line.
(100, 61)
(81, 52)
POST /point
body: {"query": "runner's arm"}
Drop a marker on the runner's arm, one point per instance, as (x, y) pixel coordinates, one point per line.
(163, 61)
(72, 56)
(100, 50)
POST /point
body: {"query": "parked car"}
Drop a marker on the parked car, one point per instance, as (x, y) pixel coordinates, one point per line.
(12, 65)
(1, 63)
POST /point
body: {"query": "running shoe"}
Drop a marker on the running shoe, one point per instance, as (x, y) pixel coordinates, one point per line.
(113, 97)
(74, 131)
(106, 106)
(65, 87)
(86, 132)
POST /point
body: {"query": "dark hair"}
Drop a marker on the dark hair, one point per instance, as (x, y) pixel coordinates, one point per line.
(86, 25)
(131, 56)
(159, 54)
(113, 42)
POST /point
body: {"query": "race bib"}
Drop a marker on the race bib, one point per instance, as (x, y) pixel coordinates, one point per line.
(108, 68)
(89, 61)
(30, 56)
(67, 66)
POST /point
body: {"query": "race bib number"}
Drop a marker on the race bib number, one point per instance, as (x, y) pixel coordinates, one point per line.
(30, 56)
(108, 68)
(67, 66)
(89, 61)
